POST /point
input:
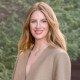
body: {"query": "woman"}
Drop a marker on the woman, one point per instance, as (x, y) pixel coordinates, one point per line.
(42, 53)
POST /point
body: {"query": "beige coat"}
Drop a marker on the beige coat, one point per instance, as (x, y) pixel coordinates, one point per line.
(52, 64)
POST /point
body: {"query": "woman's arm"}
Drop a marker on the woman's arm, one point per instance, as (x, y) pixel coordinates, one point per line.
(62, 67)
(14, 69)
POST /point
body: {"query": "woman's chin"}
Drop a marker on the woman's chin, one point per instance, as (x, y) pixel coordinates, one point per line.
(39, 38)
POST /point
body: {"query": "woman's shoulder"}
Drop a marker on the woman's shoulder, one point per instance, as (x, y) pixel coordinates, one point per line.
(59, 55)
(57, 49)
(58, 52)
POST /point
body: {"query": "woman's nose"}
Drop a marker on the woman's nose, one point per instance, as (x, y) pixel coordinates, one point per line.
(38, 25)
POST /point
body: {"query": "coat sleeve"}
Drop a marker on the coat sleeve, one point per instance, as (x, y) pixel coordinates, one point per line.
(15, 65)
(62, 67)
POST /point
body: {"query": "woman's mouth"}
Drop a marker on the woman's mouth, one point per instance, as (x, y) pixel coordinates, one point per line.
(38, 32)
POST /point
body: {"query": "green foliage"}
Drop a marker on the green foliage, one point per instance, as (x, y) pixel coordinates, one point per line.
(12, 15)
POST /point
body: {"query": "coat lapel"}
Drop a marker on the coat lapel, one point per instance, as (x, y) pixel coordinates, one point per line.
(20, 67)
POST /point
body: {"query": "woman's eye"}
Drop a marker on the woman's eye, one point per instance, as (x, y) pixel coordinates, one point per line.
(33, 21)
(44, 21)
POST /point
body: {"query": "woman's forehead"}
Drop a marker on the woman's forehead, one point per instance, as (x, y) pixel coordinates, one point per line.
(38, 15)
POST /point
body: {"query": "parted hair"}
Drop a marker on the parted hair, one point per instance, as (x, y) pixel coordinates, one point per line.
(54, 37)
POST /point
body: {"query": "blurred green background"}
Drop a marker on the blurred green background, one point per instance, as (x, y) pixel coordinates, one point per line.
(12, 15)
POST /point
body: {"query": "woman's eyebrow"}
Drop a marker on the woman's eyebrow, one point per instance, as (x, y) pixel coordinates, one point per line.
(36, 19)
(44, 19)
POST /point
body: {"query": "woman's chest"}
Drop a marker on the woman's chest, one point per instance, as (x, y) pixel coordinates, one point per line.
(31, 60)
(43, 71)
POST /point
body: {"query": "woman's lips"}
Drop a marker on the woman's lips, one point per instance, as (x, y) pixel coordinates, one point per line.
(38, 32)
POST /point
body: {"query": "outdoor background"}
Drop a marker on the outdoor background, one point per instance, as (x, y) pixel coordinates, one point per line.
(12, 15)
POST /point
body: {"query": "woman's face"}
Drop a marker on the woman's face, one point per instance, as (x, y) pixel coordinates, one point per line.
(38, 25)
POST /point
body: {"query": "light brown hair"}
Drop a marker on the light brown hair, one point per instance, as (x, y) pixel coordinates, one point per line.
(55, 37)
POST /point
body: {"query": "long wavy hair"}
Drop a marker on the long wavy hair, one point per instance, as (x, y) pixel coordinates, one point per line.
(54, 37)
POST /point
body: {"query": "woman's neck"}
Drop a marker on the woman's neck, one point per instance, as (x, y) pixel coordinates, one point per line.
(40, 44)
